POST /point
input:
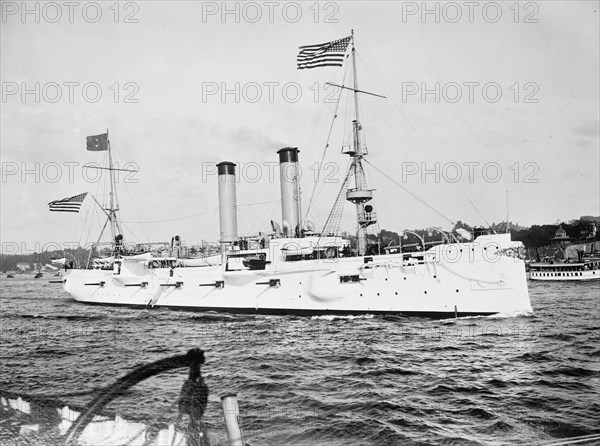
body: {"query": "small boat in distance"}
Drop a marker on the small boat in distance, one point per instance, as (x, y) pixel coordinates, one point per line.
(588, 269)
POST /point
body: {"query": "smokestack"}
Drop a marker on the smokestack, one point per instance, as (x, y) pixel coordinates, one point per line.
(227, 202)
(290, 191)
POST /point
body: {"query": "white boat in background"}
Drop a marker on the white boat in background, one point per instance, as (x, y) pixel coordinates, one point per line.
(299, 271)
(588, 269)
(59, 263)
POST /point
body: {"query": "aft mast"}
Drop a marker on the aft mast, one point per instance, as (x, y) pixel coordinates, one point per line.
(98, 143)
(115, 226)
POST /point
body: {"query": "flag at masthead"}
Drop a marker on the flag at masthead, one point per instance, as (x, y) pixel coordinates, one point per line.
(97, 143)
(330, 54)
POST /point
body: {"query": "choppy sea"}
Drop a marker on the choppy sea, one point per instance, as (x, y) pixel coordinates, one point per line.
(369, 380)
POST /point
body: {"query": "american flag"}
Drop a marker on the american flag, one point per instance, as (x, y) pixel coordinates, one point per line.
(330, 54)
(71, 204)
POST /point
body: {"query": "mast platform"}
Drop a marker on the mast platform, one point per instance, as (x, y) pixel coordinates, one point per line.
(358, 196)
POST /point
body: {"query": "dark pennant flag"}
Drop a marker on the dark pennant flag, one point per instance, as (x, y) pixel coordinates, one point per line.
(71, 204)
(330, 54)
(97, 143)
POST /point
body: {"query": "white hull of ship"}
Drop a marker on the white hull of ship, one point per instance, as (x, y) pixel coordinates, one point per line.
(460, 279)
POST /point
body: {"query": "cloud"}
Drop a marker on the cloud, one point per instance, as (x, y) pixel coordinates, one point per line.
(245, 142)
(587, 134)
(588, 130)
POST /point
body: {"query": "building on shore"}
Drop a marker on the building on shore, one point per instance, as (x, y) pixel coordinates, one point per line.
(22, 266)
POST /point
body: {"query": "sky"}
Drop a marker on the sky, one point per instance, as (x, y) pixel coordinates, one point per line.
(483, 102)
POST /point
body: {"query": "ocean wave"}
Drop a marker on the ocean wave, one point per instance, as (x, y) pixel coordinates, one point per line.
(331, 317)
(337, 380)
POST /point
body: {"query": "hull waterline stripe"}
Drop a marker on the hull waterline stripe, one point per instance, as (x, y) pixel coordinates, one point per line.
(296, 312)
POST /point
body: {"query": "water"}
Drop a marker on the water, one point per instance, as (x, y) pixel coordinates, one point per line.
(324, 380)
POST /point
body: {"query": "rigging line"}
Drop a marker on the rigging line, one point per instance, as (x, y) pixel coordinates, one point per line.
(422, 140)
(251, 222)
(325, 100)
(136, 212)
(337, 162)
(197, 215)
(337, 104)
(97, 242)
(94, 212)
(335, 216)
(133, 233)
(259, 202)
(258, 217)
(83, 227)
(174, 219)
(200, 229)
(409, 192)
(194, 225)
(473, 205)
